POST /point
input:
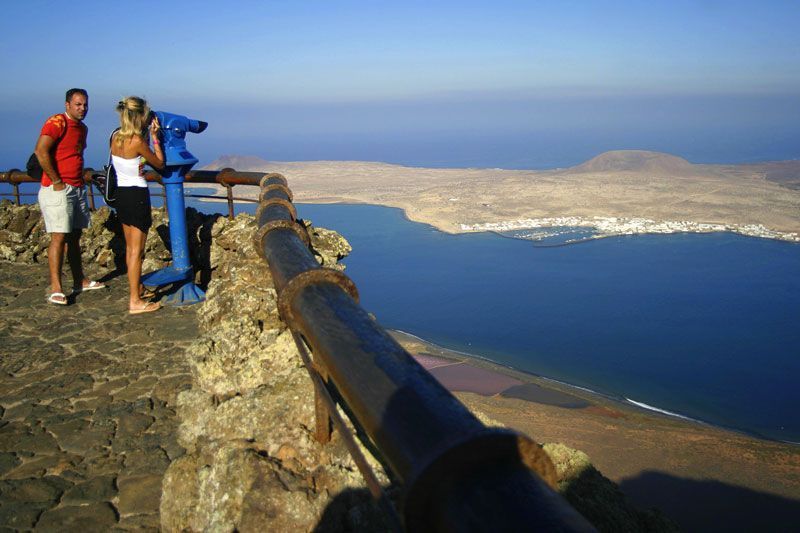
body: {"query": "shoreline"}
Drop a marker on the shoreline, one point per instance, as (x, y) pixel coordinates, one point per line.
(604, 226)
(621, 226)
(626, 226)
(629, 226)
(421, 348)
(657, 460)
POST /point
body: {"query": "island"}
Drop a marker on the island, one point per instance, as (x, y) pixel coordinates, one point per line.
(616, 193)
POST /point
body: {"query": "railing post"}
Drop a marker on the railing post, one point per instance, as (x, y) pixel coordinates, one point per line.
(324, 424)
(230, 200)
(324, 427)
(91, 197)
(16, 194)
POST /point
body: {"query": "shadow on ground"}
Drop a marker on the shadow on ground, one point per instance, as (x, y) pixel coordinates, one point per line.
(352, 510)
(198, 241)
(709, 505)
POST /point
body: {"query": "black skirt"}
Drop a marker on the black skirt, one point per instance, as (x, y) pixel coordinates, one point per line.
(133, 207)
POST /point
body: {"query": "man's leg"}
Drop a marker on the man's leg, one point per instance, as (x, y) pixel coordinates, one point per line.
(74, 258)
(58, 223)
(55, 259)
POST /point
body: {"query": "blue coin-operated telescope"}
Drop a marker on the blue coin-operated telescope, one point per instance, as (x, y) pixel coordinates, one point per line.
(177, 164)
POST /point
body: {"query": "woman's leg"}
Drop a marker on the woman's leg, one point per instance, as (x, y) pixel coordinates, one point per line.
(134, 255)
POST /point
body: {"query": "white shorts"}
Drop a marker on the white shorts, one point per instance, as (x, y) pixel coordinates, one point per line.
(64, 211)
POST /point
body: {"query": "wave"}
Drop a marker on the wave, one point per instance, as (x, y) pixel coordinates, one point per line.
(662, 411)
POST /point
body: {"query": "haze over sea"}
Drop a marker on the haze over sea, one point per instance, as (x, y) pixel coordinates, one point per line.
(494, 130)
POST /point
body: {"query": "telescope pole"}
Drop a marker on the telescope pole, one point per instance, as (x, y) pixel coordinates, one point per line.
(180, 272)
(178, 232)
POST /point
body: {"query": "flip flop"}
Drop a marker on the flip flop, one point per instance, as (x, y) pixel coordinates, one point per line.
(146, 293)
(57, 298)
(149, 307)
(93, 285)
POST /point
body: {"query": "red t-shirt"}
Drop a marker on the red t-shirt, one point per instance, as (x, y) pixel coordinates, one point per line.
(70, 137)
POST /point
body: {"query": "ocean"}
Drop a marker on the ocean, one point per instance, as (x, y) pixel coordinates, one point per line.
(701, 326)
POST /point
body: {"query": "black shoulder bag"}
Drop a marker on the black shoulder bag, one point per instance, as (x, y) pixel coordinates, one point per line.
(106, 181)
(33, 168)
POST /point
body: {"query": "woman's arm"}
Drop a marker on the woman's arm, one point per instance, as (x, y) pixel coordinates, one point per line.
(154, 157)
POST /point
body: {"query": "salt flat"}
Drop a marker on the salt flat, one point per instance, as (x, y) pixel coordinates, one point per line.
(625, 191)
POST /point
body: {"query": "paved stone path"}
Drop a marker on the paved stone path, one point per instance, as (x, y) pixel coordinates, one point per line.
(87, 399)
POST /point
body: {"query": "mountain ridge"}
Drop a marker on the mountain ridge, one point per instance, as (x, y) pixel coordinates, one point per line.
(635, 161)
(659, 163)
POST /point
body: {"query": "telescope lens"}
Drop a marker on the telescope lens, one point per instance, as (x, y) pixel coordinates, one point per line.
(196, 126)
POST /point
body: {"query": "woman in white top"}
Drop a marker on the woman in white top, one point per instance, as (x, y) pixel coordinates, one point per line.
(130, 151)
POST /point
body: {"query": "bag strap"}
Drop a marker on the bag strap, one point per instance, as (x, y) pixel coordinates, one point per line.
(64, 132)
(110, 140)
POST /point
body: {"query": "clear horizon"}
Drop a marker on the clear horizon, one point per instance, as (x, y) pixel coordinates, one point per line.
(457, 84)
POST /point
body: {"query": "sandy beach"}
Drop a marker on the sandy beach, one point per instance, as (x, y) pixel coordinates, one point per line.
(701, 476)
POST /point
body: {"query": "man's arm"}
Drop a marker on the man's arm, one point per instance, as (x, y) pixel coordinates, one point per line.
(44, 153)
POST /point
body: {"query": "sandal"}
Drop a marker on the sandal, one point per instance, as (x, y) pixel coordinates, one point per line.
(148, 307)
(147, 294)
(93, 285)
(57, 298)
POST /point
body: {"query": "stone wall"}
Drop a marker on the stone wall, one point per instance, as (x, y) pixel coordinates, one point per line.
(252, 463)
(23, 238)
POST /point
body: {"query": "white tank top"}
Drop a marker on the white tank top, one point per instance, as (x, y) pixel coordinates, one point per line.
(128, 171)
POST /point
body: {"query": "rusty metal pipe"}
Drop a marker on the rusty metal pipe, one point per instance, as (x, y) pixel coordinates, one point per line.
(287, 256)
(427, 437)
(402, 407)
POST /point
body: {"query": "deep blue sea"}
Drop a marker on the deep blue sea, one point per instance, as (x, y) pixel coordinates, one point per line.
(703, 326)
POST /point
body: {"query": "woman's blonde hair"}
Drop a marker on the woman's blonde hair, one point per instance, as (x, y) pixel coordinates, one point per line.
(134, 116)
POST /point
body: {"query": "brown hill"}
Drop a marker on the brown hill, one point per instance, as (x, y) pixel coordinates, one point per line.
(653, 163)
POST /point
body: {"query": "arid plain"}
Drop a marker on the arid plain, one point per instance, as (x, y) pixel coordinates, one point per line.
(635, 189)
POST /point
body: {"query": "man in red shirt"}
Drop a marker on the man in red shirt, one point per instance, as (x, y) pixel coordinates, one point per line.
(62, 196)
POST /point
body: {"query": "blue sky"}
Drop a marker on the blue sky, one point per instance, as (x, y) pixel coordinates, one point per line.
(501, 83)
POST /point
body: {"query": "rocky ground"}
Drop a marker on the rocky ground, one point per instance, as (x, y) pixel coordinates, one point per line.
(88, 398)
(87, 392)
(188, 419)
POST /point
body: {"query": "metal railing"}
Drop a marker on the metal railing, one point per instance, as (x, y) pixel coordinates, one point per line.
(455, 473)
(226, 177)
